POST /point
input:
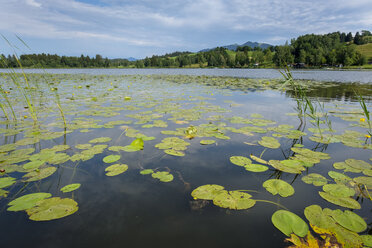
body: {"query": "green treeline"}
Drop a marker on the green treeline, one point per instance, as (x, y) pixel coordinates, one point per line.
(311, 50)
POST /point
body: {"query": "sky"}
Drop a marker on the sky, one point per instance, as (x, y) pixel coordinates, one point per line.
(140, 28)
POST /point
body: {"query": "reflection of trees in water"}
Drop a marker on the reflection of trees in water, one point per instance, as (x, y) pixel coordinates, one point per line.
(341, 92)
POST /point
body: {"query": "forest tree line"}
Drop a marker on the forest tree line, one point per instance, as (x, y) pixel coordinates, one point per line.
(331, 49)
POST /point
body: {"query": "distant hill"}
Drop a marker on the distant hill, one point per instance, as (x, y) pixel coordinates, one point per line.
(233, 47)
(131, 59)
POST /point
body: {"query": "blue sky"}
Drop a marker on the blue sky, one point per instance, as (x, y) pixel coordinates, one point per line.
(139, 28)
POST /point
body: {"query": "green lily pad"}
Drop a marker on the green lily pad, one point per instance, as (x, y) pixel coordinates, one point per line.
(349, 220)
(339, 177)
(174, 153)
(207, 192)
(234, 200)
(116, 148)
(256, 168)
(116, 169)
(325, 224)
(100, 140)
(146, 171)
(70, 187)
(358, 164)
(315, 179)
(338, 190)
(346, 202)
(367, 240)
(52, 208)
(33, 165)
(111, 158)
(137, 143)
(207, 142)
(58, 158)
(364, 180)
(289, 166)
(41, 174)
(6, 182)
(163, 176)
(269, 142)
(278, 186)
(27, 201)
(83, 146)
(240, 160)
(288, 222)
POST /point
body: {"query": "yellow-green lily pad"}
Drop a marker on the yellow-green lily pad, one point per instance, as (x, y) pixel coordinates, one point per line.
(52, 208)
(6, 182)
(346, 202)
(163, 176)
(70, 187)
(207, 192)
(100, 140)
(315, 179)
(111, 158)
(288, 222)
(278, 186)
(116, 169)
(41, 174)
(234, 200)
(27, 201)
(269, 142)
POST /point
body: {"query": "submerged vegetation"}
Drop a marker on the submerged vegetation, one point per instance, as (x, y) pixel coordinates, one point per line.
(119, 130)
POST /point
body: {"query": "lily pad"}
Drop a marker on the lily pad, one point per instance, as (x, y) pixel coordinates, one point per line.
(338, 190)
(111, 158)
(33, 165)
(240, 160)
(278, 186)
(163, 176)
(346, 202)
(339, 177)
(367, 240)
(288, 222)
(146, 171)
(116, 169)
(6, 182)
(349, 220)
(70, 187)
(27, 201)
(52, 208)
(269, 142)
(289, 166)
(256, 168)
(207, 192)
(234, 200)
(207, 142)
(315, 179)
(100, 140)
(174, 153)
(41, 174)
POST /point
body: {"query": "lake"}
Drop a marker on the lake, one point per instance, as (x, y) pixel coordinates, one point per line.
(361, 76)
(184, 158)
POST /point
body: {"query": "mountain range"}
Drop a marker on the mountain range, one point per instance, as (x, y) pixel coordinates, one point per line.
(234, 46)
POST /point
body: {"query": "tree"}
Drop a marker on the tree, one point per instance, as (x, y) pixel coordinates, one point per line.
(358, 39)
(349, 37)
(283, 55)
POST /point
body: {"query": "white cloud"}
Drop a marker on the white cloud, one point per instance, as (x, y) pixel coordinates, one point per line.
(33, 3)
(178, 24)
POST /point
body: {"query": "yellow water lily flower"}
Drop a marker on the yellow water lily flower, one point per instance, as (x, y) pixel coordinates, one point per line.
(367, 136)
(362, 119)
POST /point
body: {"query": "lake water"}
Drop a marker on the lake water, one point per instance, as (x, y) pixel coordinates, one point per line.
(136, 210)
(319, 75)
